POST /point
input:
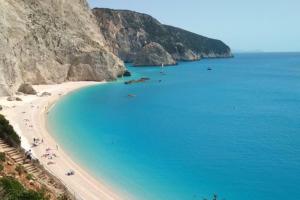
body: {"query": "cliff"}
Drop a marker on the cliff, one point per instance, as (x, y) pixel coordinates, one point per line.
(153, 54)
(53, 41)
(127, 32)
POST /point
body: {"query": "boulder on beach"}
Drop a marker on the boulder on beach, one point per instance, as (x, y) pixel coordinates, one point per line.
(45, 94)
(12, 98)
(153, 54)
(27, 89)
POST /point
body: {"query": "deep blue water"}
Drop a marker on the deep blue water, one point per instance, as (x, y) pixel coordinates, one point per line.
(233, 131)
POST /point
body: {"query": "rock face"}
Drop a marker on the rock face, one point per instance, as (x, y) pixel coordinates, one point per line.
(27, 89)
(53, 41)
(127, 32)
(153, 54)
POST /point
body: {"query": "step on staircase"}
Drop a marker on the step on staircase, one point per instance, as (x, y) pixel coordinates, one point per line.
(19, 158)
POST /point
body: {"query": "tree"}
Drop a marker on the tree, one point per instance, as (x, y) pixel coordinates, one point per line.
(11, 188)
(8, 134)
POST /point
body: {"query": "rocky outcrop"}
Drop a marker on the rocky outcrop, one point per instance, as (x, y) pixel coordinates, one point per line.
(153, 54)
(127, 32)
(53, 41)
(12, 98)
(127, 73)
(141, 80)
(45, 94)
(26, 88)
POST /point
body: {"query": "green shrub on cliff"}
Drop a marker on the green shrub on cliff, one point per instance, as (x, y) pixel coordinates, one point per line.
(2, 157)
(11, 189)
(8, 134)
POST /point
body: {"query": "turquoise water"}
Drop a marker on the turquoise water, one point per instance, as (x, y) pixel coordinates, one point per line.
(233, 131)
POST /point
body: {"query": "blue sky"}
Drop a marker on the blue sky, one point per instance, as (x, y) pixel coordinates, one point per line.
(247, 25)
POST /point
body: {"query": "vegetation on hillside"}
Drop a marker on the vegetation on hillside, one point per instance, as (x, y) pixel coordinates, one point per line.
(8, 134)
(11, 189)
(15, 182)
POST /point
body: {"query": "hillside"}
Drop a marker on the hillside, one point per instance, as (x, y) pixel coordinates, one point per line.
(127, 32)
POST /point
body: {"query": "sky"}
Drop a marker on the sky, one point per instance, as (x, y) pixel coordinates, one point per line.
(245, 25)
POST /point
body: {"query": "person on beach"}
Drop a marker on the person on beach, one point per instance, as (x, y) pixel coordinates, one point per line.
(28, 154)
(70, 173)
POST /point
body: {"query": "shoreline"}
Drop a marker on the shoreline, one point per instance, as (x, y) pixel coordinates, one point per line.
(29, 119)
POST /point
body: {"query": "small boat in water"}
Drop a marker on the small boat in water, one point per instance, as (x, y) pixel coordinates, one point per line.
(162, 69)
(209, 69)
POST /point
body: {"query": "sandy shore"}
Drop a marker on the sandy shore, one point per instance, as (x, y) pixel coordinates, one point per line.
(28, 117)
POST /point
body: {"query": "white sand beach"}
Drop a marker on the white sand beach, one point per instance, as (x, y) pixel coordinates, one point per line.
(28, 117)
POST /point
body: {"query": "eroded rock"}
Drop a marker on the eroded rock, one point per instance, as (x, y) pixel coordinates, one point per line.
(141, 80)
(127, 73)
(12, 98)
(45, 94)
(155, 55)
(26, 88)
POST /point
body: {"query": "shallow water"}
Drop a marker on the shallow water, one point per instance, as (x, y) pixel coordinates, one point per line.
(233, 131)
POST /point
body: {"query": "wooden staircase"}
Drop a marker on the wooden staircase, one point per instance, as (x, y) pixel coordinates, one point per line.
(18, 157)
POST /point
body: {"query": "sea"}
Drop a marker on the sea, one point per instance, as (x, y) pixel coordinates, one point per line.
(224, 127)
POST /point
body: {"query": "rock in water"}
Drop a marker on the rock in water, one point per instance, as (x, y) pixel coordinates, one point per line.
(27, 89)
(127, 32)
(53, 41)
(153, 54)
(127, 73)
(141, 80)
(1, 108)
